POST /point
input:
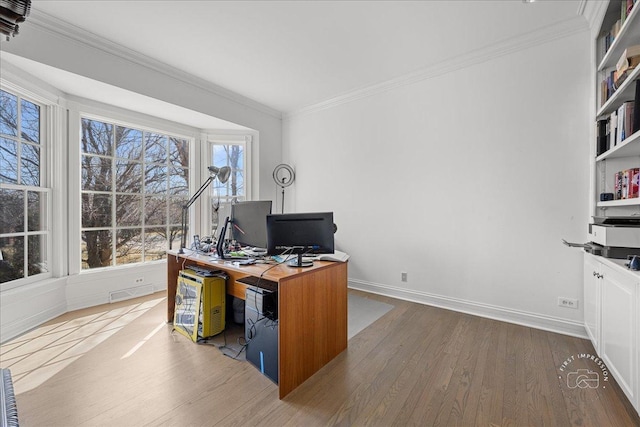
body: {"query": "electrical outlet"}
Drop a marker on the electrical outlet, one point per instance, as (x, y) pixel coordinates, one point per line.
(568, 302)
(403, 276)
(139, 281)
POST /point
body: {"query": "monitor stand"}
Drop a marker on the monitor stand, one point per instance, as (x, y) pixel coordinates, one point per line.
(299, 262)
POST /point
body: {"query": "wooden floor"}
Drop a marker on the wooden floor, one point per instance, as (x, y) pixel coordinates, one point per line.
(417, 365)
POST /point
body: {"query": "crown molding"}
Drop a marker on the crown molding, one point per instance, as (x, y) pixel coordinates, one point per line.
(593, 11)
(80, 36)
(541, 36)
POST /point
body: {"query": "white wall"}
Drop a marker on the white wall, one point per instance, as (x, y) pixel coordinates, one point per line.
(467, 181)
(26, 307)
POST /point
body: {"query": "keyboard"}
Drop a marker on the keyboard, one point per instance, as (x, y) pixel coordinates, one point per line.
(232, 256)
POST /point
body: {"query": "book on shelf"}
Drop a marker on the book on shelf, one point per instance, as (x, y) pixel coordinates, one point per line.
(625, 9)
(608, 38)
(625, 115)
(628, 119)
(634, 183)
(613, 129)
(628, 61)
(603, 136)
(636, 111)
(617, 185)
(626, 184)
(608, 87)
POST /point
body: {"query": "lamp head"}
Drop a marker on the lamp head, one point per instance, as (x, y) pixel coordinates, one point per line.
(222, 173)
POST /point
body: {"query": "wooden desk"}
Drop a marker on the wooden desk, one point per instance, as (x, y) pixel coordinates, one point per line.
(312, 310)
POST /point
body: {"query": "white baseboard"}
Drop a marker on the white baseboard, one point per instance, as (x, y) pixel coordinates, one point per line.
(26, 307)
(533, 320)
(12, 329)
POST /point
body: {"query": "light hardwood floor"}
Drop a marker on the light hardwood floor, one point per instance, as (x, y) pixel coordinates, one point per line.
(417, 365)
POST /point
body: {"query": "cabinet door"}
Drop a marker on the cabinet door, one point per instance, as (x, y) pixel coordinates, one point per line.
(618, 343)
(592, 299)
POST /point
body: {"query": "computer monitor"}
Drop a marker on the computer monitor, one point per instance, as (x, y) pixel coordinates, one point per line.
(300, 233)
(248, 222)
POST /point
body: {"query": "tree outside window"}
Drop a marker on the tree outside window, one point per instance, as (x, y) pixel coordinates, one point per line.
(134, 183)
(234, 156)
(24, 202)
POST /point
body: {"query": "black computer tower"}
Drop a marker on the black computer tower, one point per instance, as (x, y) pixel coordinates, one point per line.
(261, 330)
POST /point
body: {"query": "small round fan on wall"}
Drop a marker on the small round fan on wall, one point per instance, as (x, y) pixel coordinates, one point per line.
(284, 176)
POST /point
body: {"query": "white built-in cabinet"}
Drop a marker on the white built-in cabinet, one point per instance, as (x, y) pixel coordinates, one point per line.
(612, 320)
(611, 290)
(591, 298)
(624, 154)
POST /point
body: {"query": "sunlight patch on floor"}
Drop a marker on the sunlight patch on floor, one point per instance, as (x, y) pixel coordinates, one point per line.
(38, 355)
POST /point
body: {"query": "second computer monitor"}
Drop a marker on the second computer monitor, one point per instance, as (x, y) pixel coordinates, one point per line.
(249, 222)
(300, 233)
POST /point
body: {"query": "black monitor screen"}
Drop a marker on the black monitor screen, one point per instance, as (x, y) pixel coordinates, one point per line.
(300, 232)
(249, 222)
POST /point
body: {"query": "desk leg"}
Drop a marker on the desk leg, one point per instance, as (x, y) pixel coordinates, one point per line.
(173, 268)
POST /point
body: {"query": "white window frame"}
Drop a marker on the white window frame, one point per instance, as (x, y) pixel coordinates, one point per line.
(80, 108)
(50, 129)
(244, 139)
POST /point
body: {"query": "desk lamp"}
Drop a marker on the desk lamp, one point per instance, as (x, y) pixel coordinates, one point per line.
(223, 175)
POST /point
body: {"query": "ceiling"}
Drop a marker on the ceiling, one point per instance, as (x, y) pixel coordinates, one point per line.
(289, 55)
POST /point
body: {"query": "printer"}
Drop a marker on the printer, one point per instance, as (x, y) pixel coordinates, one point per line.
(615, 237)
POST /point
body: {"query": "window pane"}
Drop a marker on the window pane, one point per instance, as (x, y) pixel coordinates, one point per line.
(97, 137)
(236, 183)
(155, 179)
(231, 155)
(8, 114)
(128, 210)
(38, 255)
(175, 209)
(96, 249)
(220, 156)
(8, 161)
(128, 177)
(179, 153)
(134, 170)
(30, 163)
(96, 173)
(128, 143)
(129, 246)
(12, 264)
(36, 211)
(155, 243)
(155, 210)
(175, 238)
(96, 210)
(178, 181)
(155, 148)
(11, 211)
(30, 122)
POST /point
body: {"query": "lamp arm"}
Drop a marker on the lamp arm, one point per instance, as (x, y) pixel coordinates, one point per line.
(185, 209)
(199, 192)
